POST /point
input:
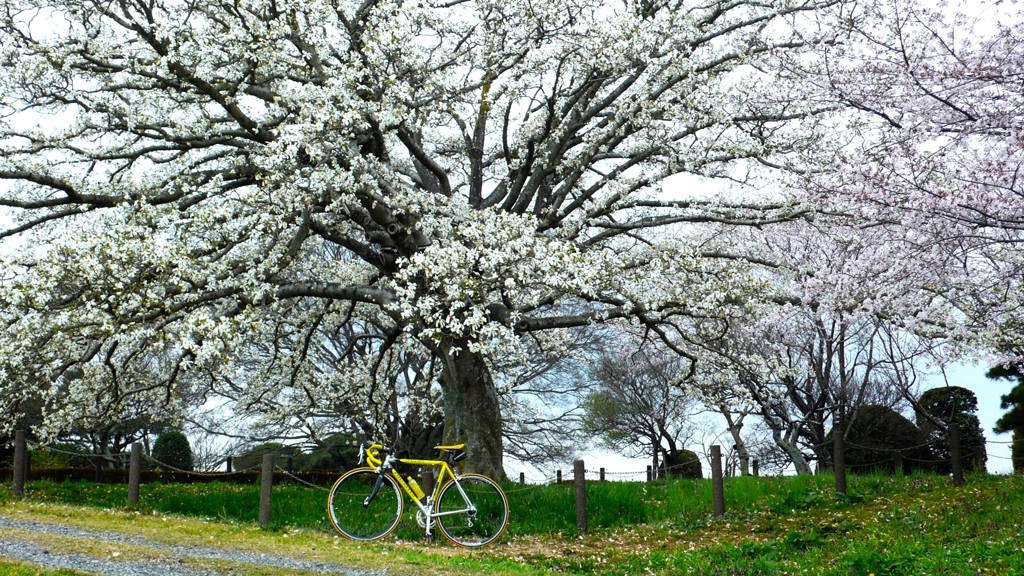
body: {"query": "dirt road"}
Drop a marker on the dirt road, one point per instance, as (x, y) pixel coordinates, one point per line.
(61, 546)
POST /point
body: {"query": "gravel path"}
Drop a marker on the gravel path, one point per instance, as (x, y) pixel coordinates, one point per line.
(171, 559)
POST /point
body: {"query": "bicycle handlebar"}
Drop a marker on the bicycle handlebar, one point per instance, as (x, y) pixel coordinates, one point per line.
(372, 455)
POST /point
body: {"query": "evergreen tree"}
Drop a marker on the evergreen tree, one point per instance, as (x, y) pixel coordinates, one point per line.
(173, 450)
(1013, 420)
(937, 409)
(1017, 452)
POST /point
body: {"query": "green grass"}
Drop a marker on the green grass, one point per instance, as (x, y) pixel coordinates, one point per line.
(683, 503)
(534, 510)
(291, 505)
(8, 568)
(917, 525)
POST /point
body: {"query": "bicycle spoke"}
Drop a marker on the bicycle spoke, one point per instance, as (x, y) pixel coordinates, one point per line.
(349, 516)
(474, 515)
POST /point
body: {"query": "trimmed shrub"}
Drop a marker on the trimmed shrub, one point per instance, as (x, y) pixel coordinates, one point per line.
(337, 453)
(876, 434)
(682, 464)
(252, 459)
(58, 457)
(172, 448)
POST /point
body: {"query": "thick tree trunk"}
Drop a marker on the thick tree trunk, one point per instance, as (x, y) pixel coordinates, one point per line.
(743, 455)
(670, 460)
(735, 427)
(471, 408)
(793, 450)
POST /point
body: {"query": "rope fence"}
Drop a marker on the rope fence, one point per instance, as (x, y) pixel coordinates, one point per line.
(268, 469)
(123, 456)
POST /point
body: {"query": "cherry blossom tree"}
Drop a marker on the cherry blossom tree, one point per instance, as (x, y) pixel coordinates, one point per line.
(833, 342)
(798, 371)
(934, 160)
(188, 178)
(638, 404)
(924, 201)
(926, 192)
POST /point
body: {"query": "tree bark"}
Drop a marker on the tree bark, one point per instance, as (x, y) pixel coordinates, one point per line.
(735, 427)
(472, 412)
(794, 452)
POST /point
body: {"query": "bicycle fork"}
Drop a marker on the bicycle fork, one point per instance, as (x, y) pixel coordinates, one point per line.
(376, 489)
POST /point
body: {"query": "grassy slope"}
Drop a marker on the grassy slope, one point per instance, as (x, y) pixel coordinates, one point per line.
(916, 525)
(927, 527)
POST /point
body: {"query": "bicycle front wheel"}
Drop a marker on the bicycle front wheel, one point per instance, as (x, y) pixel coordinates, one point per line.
(348, 514)
(472, 511)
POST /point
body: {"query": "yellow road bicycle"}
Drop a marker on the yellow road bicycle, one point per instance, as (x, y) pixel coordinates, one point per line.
(366, 503)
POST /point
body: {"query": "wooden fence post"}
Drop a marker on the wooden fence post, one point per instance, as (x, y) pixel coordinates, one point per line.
(717, 482)
(897, 463)
(558, 477)
(602, 474)
(757, 467)
(650, 475)
(134, 473)
(266, 488)
(228, 460)
(27, 464)
(580, 481)
(839, 455)
(522, 477)
(979, 459)
(20, 473)
(955, 453)
(97, 463)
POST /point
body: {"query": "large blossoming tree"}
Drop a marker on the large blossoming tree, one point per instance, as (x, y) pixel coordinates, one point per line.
(933, 172)
(203, 192)
(921, 213)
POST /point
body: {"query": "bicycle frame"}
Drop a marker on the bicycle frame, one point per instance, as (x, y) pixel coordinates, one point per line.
(366, 502)
(424, 504)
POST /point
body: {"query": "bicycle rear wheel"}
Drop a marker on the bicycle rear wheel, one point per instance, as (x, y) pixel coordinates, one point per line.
(471, 512)
(348, 514)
